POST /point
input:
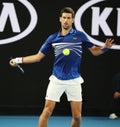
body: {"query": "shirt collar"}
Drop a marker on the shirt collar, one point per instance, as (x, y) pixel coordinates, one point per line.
(71, 31)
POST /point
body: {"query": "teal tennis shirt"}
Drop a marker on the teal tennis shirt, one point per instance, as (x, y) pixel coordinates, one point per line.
(66, 66)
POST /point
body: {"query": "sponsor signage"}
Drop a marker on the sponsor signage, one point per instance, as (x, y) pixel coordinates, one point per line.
(9, 13)
(99, 20)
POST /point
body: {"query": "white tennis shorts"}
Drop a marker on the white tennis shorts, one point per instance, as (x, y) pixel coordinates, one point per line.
(57, 87)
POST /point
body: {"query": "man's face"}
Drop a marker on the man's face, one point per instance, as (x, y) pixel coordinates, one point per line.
(66, 21)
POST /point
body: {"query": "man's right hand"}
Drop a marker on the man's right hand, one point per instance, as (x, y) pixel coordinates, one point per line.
(12, 62)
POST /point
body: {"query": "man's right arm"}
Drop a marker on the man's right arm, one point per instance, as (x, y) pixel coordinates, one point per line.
(27, 59)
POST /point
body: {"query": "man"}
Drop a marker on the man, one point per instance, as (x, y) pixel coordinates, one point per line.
(116, 97)
(66, 77)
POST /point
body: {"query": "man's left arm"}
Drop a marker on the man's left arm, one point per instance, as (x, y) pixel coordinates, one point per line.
(97, 50)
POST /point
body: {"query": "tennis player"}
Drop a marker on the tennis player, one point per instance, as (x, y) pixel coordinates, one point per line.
(66, 76)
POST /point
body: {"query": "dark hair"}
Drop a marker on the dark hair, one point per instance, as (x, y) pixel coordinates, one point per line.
(67, 10)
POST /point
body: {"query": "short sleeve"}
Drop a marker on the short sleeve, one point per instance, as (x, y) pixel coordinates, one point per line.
(47, 46)
(86, 40)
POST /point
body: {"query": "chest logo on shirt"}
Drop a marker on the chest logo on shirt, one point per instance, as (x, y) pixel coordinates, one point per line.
(74, 38)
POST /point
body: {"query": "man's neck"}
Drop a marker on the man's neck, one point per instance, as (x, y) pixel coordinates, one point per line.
(64, 31)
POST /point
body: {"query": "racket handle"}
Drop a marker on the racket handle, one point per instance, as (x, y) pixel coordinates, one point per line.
(22, 71)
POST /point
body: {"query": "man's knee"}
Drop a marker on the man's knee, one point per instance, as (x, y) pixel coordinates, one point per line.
(47, 112)
(77, 117)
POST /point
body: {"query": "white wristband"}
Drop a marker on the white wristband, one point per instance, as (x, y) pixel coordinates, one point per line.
(18, 60)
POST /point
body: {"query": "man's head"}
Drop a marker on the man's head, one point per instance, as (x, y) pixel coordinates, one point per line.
(67, 10)
(67, 18)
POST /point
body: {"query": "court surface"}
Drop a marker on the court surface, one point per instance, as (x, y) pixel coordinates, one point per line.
(57, 121)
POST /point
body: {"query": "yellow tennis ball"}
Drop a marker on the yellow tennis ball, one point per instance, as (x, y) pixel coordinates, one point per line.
(66, 52)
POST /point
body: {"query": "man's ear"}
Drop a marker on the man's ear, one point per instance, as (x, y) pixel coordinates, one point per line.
(73, 20)
(60, 19)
